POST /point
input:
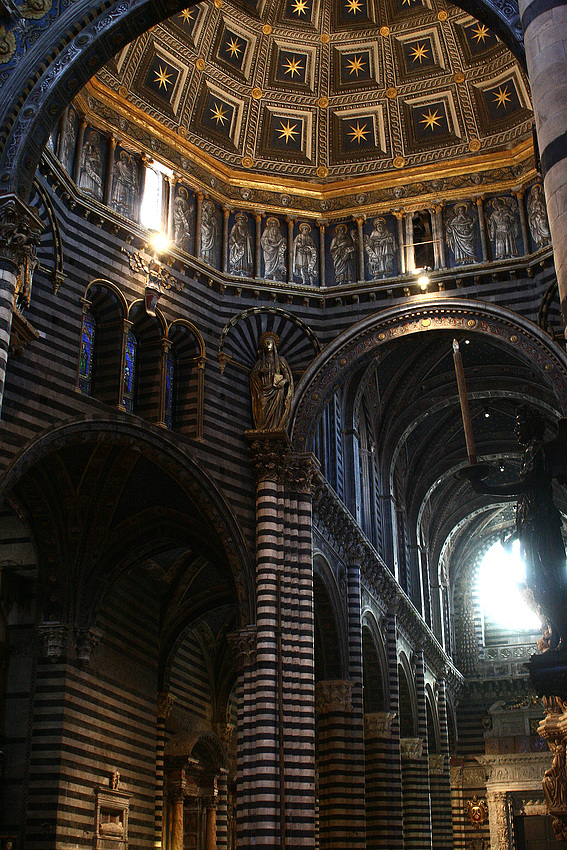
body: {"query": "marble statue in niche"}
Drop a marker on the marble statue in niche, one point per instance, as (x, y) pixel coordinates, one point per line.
(343, 253)
(380, 248)
(209, 232)
(271, 386)
(305, 255)
(274, 248)
(503, 228)
(68, 141)
(90, 172)
(182, 215)
(460, 230)
(537, 216)
(240, 248)
(125, 185)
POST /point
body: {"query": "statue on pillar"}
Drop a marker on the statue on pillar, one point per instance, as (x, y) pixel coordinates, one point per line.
(271, 386)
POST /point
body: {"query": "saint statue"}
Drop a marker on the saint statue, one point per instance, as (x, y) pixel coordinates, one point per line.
(274, 248)
(537, 217)
(538, 522)
(271, 386)
(182, 215)
(90, 174)
(461, 235)
(380, 249)
(503, 228)
(209, 232)
(343, 252)
(305, 255)
(125, 185)
(240, 251)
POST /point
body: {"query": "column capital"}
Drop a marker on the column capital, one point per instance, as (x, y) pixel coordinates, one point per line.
(378, 724)
(268, 451)
(20, 230)
(411, 748)
(165, 702)
(243, 642)
(334, 695)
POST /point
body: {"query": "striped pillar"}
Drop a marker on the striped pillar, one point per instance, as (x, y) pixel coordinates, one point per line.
(279, 783)
(164, 704)
(341, 782)
(378, 757)
(415, 772)
(20, 229)
(222, 811)
(394, 766)
(545, 38)
(440, 779)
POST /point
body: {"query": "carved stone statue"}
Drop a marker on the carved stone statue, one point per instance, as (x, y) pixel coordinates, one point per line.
(209, 232)
(538, 522)
(554, 780)
(271, 386)
(125, 184)
(461, 235)
(90, 174)
(503, 228)
(343, 252)
(537, 216)
(240, 250)
(305, 255)
(182, 214)
(274, 247)
(380, 249)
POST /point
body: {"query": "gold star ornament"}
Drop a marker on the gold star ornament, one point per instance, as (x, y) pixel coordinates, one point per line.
(353, 6)
(218, 114)
(293, 66)
(287, 131)
(358, 133)
(300, 7)
(480, 33)
(355, 65)
(431, 120)
(418, 53)
(233, 47)
(162, 77)
(186, 16)
(501, 97)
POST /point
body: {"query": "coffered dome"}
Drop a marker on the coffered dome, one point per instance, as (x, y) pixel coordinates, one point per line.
(321, 91)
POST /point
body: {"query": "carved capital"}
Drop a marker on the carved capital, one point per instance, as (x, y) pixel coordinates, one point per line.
(411, 748)
(20, 230)
(243, 644)
(55, 637)
(334, 695)
(225, 732)
(165, 702)
(378, 724)
(269, 451)
(87, 640)
(299, 472)
(437, 764)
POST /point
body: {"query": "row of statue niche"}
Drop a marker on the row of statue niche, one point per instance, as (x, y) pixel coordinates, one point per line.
(125, 182)
(461, 227)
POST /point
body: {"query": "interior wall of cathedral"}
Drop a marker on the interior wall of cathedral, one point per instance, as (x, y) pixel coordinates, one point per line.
(221, 632)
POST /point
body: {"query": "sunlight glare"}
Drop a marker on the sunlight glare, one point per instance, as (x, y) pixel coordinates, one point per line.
(500, 596)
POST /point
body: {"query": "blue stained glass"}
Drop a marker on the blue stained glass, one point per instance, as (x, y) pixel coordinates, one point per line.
(129, 372)
(87, 352)
(169, 388)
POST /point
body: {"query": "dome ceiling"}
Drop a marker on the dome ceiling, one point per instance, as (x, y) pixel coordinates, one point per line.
(325, 90)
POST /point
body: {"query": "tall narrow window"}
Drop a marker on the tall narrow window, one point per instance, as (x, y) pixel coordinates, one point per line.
(87, 353)
(170, 366)
(129, 372)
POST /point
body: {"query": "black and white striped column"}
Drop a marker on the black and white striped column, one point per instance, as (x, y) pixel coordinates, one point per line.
(440, 778)
(164, 704)
(395, 815)
(378, 755)
(276, 788)
(545, 37)
(415, 772)
(20, 229)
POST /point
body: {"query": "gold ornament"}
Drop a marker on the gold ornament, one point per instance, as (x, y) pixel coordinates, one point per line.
(384, 31)
(257, 93)
(322, 171)
(247, 162)
(325, 38)
(391, 92)
(442, 15)
(474, 145)
(266, 29)
(477, 811)
(458, 77)
(200, 63)
(123, 91)
(398, 162)
(323, 102)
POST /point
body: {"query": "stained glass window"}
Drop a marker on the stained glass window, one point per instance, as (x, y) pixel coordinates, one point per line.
(129, 372)
(169, 388)
(87, 353)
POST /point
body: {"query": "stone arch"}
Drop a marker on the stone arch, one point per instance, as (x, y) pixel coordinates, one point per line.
(175, 461)
(330, 643)
(433, 730)
(408, 699)
(357, 345)
(374, 664)
(82, 39)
